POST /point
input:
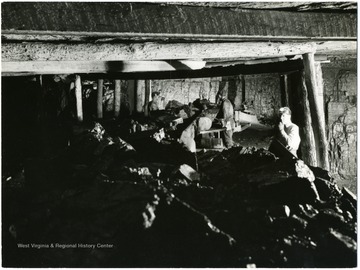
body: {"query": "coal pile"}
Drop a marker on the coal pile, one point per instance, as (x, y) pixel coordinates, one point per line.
(106, 202)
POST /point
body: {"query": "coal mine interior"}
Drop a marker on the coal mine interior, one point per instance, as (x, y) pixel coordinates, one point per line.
(179, 134)
(127, 186)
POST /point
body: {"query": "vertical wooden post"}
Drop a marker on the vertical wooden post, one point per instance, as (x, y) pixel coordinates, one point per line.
(238, 93)
(243, 91)
(139, 95)
(308, 151)
(317, 111)
(214, 89)
(78, 97)
(147, 97)
(40, 80)
(41, 102)
(117, 98)
(131, 95)
(100, 93)
(284, 87)
(320, 89)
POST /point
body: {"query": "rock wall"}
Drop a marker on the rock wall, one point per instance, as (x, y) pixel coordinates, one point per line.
(187, 90)
(340, 81)
(261, 92)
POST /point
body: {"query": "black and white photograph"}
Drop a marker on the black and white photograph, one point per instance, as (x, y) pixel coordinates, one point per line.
(179, 134)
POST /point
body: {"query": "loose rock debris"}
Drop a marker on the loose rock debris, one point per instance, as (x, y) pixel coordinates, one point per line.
(142, 202)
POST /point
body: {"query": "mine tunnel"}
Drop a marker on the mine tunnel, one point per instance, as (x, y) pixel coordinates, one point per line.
(151, 134)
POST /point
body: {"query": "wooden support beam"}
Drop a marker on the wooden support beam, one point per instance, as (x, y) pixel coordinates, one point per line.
(320, 89)
(139, 95)
(336, 48)
(41, 99)
(131, 95)
(117, 98)
(308, 146)
(147, 97)
(76, 67)
(284, 88)
(103, 37)
(232, 62)
(243, 89)
(15, 52)
(317, 111)
(281, 67)
(78, 97)
(99, 102)
(205, 89)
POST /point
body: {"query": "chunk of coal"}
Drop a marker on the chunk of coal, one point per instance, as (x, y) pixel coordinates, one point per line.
(186, 171)
(349, 195)
(327, 189)
(321, 173)
(347, 206)
(279, 211)
(330, 218)
(233, 211)
(337, 250)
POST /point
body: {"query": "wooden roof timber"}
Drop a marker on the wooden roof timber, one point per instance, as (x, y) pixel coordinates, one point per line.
(152, 21)
(179, 73)
(109, 37)
(76, 67)
(49, 58)
(40, 51)
(120, 33)
(148, 51)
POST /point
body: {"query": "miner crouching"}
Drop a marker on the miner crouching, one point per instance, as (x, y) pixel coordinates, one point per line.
(285, 145)
(287, 135)
(226, 115)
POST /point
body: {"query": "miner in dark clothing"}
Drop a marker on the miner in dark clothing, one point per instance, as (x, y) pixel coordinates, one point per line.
(226, 115)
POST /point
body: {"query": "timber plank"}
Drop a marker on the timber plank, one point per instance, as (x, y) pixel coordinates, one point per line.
(42, 51)
(280, 67)
(312, 76)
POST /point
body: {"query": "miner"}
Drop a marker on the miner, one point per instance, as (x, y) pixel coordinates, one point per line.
(287, 135)
(157, 102)
(226, 115)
